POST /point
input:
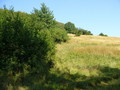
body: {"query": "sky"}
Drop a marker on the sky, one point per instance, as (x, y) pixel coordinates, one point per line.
(94, 15)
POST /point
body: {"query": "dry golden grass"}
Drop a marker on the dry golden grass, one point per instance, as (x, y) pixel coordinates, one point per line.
(95, 39)
(96, 44)
(83, 54)
(99, 50)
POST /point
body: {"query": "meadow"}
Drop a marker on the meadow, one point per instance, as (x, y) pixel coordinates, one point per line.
(37, 54)
(88, 62)
(83, 63)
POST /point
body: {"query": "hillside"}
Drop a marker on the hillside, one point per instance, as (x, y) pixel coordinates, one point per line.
(37, 53)
(89, 62)
(83, 63)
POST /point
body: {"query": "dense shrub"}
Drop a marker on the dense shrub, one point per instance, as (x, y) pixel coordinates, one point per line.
(27, 44)
(44, 19)
(23, 50)
(78, 33)
(59, 35)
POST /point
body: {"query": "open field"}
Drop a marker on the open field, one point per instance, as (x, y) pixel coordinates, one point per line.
(84, 63)
(89, 62)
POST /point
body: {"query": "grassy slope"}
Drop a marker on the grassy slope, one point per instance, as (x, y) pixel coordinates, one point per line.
(84, 62)
(91, 62)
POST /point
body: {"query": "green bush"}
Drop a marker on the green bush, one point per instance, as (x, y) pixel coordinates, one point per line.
(27, 45)
(78, 33)
(59, 35)
(23, 50)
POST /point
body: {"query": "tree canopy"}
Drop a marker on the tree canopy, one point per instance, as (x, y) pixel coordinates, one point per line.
(69, 27)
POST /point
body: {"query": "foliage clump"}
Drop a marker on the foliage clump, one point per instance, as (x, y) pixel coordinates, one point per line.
(58, 33)
(101, 34)
(27, 44)
(70, 28)
(83, 32)
(43, 18)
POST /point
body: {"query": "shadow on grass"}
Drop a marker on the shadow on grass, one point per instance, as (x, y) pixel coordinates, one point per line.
(70, 82)
(67, 81)
(8, 82)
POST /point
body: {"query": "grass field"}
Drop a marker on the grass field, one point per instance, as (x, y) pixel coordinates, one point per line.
(84, 63)
(88, 62)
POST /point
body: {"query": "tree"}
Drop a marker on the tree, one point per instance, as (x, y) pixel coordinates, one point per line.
(69, 27)
(83, 32)
(101, 34)
(44, 18)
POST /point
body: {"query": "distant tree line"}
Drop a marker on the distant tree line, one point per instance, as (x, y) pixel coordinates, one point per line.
(70, 28)
(101, 34)
(27, 44)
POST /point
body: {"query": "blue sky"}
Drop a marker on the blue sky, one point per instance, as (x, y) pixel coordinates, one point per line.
(94, 15)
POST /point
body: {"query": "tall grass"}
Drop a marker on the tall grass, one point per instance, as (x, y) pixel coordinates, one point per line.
(88, 56)
(84, 63)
